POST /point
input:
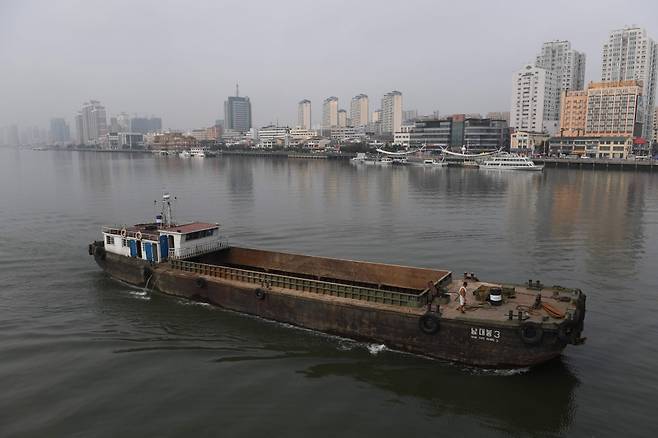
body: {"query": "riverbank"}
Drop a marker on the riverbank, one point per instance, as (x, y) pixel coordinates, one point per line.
(599, 163)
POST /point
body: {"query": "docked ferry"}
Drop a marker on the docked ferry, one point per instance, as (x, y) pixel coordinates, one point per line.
(510, 162)
(405, 308)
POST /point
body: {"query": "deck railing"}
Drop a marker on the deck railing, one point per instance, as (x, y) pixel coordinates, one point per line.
(304, 285)
(197, 250)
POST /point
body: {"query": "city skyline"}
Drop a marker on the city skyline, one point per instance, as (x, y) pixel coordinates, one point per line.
(188, 98)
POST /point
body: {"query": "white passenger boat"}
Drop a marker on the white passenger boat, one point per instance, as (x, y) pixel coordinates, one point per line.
(385, 161)
(434, 163)
(198, 152)
(510, 162)
(184, 154)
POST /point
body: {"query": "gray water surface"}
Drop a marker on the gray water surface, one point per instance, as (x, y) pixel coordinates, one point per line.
(83, 355)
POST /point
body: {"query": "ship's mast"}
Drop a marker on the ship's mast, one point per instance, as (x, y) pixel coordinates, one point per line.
(166, 210)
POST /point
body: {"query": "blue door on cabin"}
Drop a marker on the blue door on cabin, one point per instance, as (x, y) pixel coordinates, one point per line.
(133, 248)
(149, 251)
(164, 248)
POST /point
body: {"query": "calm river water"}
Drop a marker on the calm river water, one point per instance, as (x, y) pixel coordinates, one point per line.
(83, 355)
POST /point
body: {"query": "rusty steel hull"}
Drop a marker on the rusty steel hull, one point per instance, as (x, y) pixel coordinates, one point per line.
(485, 344)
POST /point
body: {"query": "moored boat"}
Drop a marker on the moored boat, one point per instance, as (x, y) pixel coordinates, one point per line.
(434, 163)
(198, 152)
(510, 162)
(406, 308)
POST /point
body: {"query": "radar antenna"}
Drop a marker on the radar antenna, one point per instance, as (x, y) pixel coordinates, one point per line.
(166, 216)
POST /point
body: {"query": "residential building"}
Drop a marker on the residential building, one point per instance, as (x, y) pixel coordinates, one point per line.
(409, 116)
(330, 112)
(534, 99)
(237, 112)
(91, 122)
(170, 141)
(592, 146)
(342, 118)
(402, 139)
(114, 125)
(272, 132)
(199, 134)
(567, 64)
(144, 125)
(359, 110)
(499, 115)
(614, 109)
(318, 143)
(123, 120)
(377, 116)
(573, 113)
(655, 125)
(123, 140)
(214, 132)
(304, 114)
(59, 131)
(391, 117)
(527, 143)
(457, 131)
(300, 135)
(630, 54)
(348, 133)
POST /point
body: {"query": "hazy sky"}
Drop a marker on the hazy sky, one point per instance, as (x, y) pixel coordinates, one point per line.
(180, 59)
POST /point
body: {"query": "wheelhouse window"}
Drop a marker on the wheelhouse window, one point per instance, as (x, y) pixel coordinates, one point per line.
(109, 240)
(199, 234)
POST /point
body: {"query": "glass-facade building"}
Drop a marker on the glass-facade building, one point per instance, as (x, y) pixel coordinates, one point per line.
(455, 132)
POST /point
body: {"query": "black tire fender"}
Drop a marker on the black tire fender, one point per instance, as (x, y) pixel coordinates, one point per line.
(566, 331)
(90, 249)
(429, 323)
(99, 252)
(260, 293)
(531, 333)
(201, 282)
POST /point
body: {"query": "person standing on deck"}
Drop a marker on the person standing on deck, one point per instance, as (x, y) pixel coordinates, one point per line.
(462, 297)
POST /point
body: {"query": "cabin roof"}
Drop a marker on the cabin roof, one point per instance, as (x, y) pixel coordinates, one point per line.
(189, 228)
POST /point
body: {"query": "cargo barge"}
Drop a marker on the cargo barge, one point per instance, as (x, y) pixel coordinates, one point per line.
(410, 309)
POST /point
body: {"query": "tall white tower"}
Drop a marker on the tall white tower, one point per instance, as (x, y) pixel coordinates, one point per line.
(359, 110)
(534, 100)
(304, 114)
(392, 112)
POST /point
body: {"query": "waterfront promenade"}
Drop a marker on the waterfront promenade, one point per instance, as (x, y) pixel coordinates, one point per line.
(599, 163)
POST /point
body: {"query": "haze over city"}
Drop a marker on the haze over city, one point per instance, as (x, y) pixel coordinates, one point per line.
(180, 61)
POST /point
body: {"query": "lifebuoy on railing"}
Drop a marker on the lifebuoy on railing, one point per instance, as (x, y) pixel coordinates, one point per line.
(138, 235)
(124, 232)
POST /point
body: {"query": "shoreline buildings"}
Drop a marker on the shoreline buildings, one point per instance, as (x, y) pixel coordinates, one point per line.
(455, 131)
(534, 100)
(59, 131)
(391, 112)
(630, 54)
(359, 110)
(330, 113)
(91, 123)
(304, 114)
(237, 113)
(537, 89)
